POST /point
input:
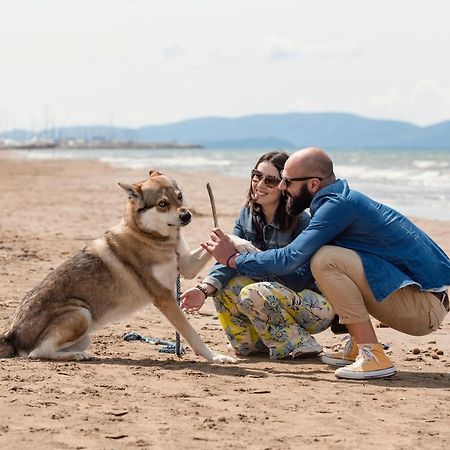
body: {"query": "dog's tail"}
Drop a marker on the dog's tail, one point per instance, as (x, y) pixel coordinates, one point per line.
(7, 349)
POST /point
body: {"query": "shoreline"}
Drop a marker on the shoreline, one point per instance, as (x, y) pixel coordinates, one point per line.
(11, 154)
(105, 146)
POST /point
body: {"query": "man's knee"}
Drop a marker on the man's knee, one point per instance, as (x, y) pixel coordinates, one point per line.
(330, 258)
(322, 259)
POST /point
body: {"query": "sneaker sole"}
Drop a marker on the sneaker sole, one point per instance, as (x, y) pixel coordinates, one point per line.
(301, 355)
(336, 362)
(350, 375)
(306, 351)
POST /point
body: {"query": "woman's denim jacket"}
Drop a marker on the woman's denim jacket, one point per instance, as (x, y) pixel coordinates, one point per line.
(272, 237)
(394, 252)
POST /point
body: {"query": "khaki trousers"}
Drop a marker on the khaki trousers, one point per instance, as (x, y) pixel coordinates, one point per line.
(340, 275)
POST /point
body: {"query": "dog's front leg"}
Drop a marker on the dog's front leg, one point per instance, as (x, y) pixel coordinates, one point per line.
(177, 318)
(191, 262)
(242, 245)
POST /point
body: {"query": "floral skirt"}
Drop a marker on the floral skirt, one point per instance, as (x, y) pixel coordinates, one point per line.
(267, 316)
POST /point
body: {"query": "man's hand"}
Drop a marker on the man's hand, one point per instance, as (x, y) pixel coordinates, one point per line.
(220, 247)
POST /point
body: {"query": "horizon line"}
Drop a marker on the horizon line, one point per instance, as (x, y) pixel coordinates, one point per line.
(134, 127)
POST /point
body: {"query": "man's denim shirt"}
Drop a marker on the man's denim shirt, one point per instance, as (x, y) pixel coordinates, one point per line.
(272, 237)
(394, 252)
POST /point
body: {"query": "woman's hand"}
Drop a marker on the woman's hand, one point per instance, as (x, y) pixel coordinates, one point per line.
(192, 300)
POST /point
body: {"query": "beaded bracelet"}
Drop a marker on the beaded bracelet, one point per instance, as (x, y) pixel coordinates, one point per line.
(202, 289)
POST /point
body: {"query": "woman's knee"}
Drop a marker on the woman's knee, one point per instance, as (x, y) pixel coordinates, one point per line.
(234, 287)
(253, 296)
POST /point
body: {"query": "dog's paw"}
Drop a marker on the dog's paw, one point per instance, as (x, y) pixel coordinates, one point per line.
(241, 245)
(81, 356)
(222, 359)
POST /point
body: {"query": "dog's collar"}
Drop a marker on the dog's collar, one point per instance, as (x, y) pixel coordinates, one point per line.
(156, 236)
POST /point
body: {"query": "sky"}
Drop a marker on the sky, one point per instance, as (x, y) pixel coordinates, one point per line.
(140, 62)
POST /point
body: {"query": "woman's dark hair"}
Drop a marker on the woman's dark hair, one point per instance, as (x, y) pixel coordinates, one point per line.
(278, 159)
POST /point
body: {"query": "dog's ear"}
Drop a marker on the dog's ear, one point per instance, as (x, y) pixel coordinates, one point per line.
(132, 190)
(154, 173)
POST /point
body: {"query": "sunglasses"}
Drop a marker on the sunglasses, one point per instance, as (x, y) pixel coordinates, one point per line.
(287, 181)
(269, 180)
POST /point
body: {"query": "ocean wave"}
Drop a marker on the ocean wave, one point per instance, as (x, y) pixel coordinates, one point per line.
(427, 164)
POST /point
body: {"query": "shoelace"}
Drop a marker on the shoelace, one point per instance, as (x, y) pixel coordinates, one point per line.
(365, 354)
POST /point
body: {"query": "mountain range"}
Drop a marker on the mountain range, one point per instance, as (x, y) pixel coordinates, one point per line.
(287, 131)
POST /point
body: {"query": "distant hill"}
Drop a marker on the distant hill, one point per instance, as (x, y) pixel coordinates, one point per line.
(293, 130)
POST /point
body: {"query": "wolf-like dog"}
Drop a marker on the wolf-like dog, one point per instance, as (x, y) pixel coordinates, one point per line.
(134, 264)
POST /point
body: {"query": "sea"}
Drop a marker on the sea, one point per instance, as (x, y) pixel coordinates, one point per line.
(415, 182)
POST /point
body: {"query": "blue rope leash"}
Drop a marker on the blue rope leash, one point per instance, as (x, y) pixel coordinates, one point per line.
(167, 346)
(178, 350)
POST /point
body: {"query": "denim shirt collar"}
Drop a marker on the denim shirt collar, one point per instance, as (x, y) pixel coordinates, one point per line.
(338, 187)
(275, 222)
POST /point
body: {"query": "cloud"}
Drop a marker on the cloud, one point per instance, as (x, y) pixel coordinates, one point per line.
(226, 54)
(281, 48)
(428, 87)
(172, 50)
(425, 102)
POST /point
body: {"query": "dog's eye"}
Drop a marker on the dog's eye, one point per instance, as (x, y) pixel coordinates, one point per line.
(163, 204)
(180, 196)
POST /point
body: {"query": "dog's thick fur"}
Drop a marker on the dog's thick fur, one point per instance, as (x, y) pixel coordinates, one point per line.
(132, 265)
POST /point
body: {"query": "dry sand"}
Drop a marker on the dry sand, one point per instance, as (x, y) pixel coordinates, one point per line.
(132, 396)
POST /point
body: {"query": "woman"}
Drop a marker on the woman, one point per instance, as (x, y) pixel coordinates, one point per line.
(277, 314)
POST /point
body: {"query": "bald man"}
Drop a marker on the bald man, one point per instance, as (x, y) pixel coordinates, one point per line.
(366, 258)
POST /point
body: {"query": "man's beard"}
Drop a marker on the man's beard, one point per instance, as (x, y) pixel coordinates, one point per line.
(296, 205)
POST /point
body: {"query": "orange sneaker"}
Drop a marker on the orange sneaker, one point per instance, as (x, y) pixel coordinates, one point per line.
(342, 357)
(371, 362)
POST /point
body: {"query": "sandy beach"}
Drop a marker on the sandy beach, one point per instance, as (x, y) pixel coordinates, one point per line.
(131, 396)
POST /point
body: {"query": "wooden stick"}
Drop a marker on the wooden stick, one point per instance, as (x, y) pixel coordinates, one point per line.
(213, 204)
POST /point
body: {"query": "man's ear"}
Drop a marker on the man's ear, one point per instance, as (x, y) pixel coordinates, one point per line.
(315, 185)
(154, 173)
(132, 190)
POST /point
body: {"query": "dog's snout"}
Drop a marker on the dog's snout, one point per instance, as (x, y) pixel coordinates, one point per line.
(185, 216)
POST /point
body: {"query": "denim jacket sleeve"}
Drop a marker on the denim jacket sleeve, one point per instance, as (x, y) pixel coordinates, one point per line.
(333, 215)
(301, 278)
(220, 275)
